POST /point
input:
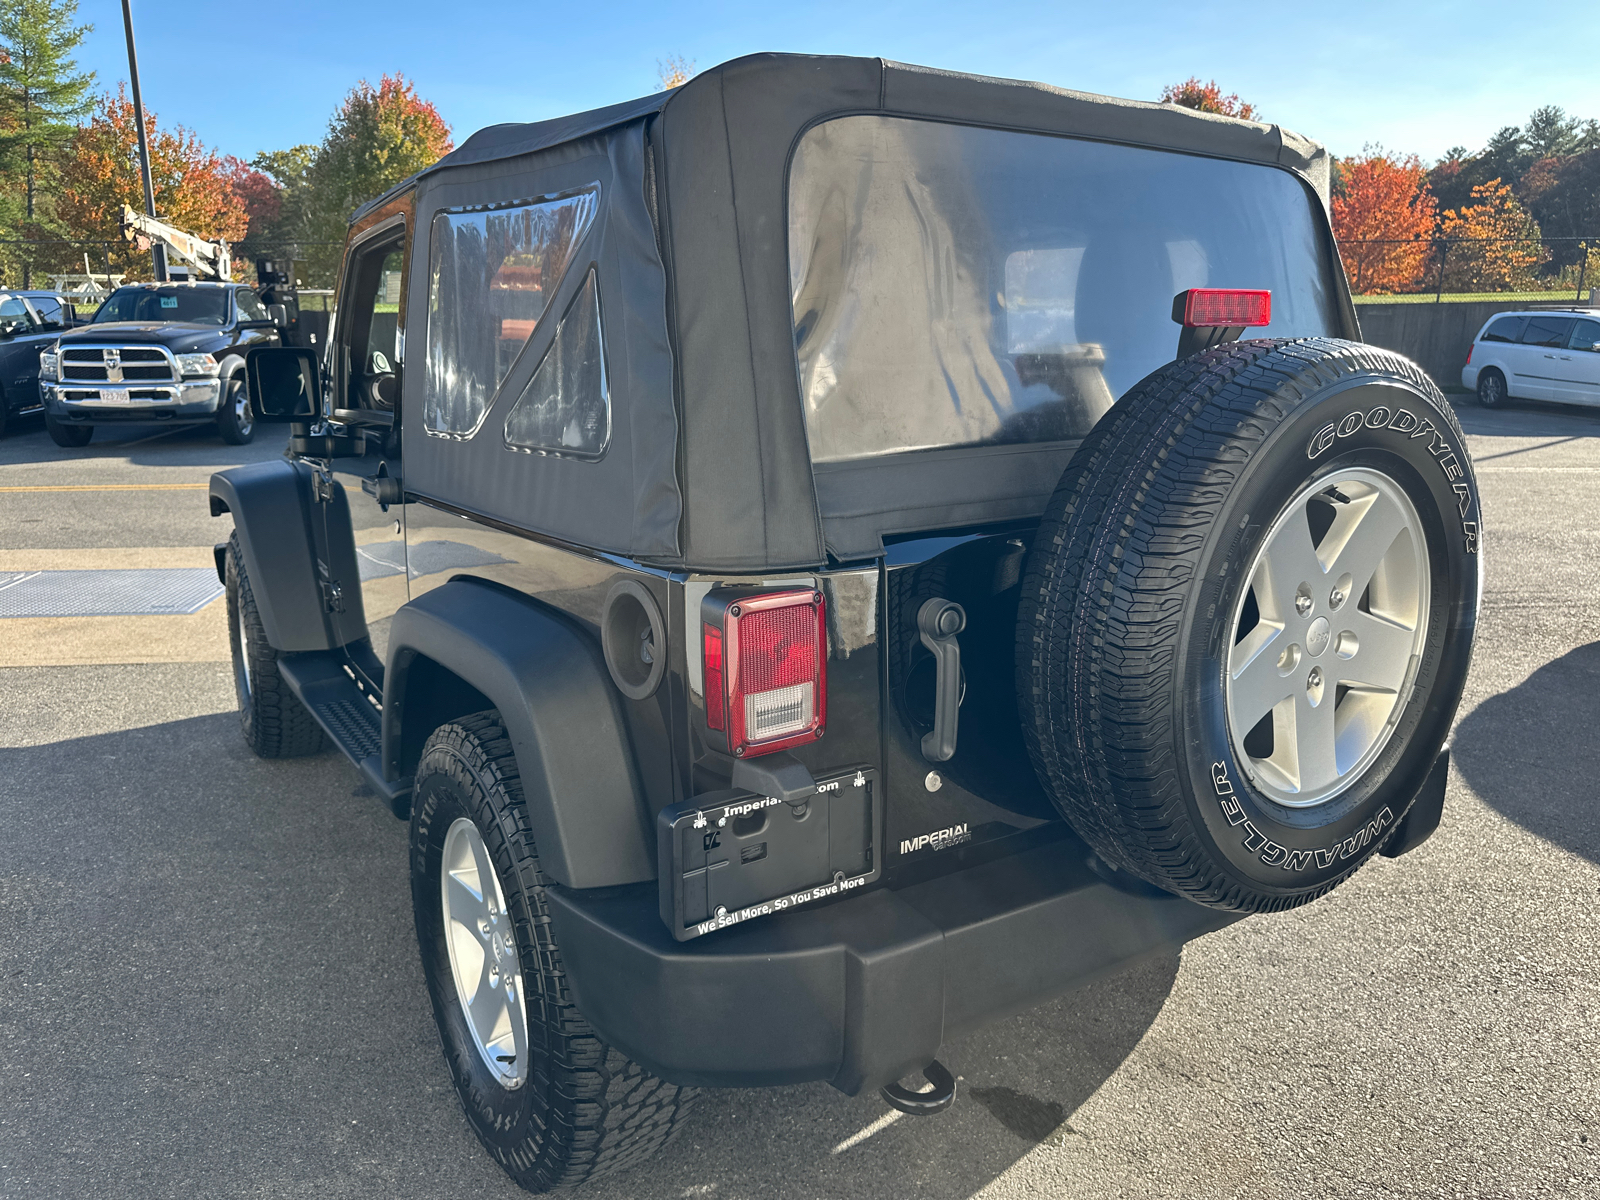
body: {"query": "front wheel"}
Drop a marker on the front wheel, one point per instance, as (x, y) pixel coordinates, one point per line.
(235, 419)
(68, 437)
(275, 723)
(1247, 618)
(1492, 391)
(553, 1103)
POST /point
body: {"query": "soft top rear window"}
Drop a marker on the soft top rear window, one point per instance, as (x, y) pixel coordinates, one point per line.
(959, 286)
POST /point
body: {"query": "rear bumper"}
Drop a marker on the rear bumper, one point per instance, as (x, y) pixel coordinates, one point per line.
(865, 990)
(1469, 378)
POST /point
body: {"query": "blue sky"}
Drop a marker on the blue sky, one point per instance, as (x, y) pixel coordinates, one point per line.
(1412, 76)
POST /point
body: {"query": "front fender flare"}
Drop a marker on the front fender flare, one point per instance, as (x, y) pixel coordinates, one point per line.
(548, 680)
(272, 507)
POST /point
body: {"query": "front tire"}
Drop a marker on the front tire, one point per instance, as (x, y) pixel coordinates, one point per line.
(235, 418)
(68, 437)
(271, 716)
(550, 1101)
(1492, 392)
(1232, 683)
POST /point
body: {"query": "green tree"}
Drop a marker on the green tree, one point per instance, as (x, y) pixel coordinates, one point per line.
(1550, 133)
(42, 94)
(379, 136)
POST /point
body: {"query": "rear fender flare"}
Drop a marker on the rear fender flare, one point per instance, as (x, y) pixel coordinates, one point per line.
(273, 509)
(547, 678)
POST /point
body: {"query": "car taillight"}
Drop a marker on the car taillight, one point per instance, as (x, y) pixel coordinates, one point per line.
(1222, 308)
(765, 669)
(1469, 354)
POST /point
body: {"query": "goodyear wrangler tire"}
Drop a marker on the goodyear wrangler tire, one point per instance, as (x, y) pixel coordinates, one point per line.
(553, 1104)
(1247, 617)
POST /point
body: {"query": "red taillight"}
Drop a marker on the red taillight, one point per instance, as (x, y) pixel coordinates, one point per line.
(766, 670)
(1469, 354)
(1222, 308)
(714, 693)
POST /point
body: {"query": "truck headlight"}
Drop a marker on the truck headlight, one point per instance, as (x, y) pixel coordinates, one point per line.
(47, 366)
(197, 364)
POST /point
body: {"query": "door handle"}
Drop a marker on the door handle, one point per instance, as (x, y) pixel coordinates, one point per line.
(939, 621)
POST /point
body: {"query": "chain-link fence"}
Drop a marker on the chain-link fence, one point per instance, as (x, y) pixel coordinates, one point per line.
(1443, 269)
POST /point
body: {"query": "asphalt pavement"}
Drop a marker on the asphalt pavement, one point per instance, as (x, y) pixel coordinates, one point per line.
(209, 985)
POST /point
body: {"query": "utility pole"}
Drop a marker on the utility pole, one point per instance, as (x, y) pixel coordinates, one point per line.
(158, 252)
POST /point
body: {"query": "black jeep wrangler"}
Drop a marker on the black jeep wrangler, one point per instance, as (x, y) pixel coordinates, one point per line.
(815, 563)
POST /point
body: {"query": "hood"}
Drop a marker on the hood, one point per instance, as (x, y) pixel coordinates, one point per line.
(180, 339)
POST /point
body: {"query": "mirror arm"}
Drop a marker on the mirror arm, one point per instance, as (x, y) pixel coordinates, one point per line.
(362, 416)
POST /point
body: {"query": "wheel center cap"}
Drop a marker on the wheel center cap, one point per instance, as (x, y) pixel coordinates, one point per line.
(1318, 636)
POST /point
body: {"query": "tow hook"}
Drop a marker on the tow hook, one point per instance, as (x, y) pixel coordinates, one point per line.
(923, 1104)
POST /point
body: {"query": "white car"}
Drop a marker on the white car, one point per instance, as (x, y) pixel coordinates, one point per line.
(1541, 355)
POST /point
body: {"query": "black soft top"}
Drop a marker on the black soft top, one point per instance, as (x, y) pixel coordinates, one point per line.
(708, 467)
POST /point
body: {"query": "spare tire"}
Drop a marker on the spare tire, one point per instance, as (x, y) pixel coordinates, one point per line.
(1247, 616)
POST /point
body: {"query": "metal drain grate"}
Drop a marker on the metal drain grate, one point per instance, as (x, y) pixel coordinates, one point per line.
(140, 592)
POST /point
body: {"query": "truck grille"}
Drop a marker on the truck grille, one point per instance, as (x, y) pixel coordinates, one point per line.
(117, 364)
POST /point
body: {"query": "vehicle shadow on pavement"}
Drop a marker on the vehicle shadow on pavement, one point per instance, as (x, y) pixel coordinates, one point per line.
(211, 986)
(1531, 754)
(1526, 418)
(143, 445)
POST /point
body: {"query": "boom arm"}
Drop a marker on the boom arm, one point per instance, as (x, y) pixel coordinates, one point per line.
(211, 258)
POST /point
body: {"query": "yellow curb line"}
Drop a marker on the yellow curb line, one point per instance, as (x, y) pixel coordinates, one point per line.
(110, 487)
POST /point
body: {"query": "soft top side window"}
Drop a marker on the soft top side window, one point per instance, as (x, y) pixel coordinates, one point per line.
(491, 274)
(566, 407)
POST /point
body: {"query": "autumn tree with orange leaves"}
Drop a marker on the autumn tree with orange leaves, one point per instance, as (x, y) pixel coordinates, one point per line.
(1493, 244)
(1383, 219)
(1208, 97)
(99, 173)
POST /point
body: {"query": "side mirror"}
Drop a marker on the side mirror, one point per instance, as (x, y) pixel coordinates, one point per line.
(9, 327)
(284, 384)
(279, 315)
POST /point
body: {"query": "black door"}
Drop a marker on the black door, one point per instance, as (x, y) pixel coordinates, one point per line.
(364, 363)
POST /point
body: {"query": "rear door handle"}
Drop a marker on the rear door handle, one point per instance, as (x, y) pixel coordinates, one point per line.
(939, 621)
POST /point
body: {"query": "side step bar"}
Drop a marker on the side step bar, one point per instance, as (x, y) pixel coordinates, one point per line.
(350, 720)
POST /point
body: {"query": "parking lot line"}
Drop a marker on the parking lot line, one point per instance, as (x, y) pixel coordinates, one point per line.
(108, 487)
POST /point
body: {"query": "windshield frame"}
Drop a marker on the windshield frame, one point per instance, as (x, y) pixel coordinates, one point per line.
(229, 306)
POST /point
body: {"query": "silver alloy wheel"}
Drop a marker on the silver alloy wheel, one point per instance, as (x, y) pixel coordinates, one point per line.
(1327, 637)
(241, 408)
(483, 954)
(1491, 389)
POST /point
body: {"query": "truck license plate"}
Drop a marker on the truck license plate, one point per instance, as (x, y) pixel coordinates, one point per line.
(113, 395)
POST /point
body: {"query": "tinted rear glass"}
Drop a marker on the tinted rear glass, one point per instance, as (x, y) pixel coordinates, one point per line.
(188, 306)
(1547, 331)
(1585, 335)
(1506, 329)
(959, 286)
